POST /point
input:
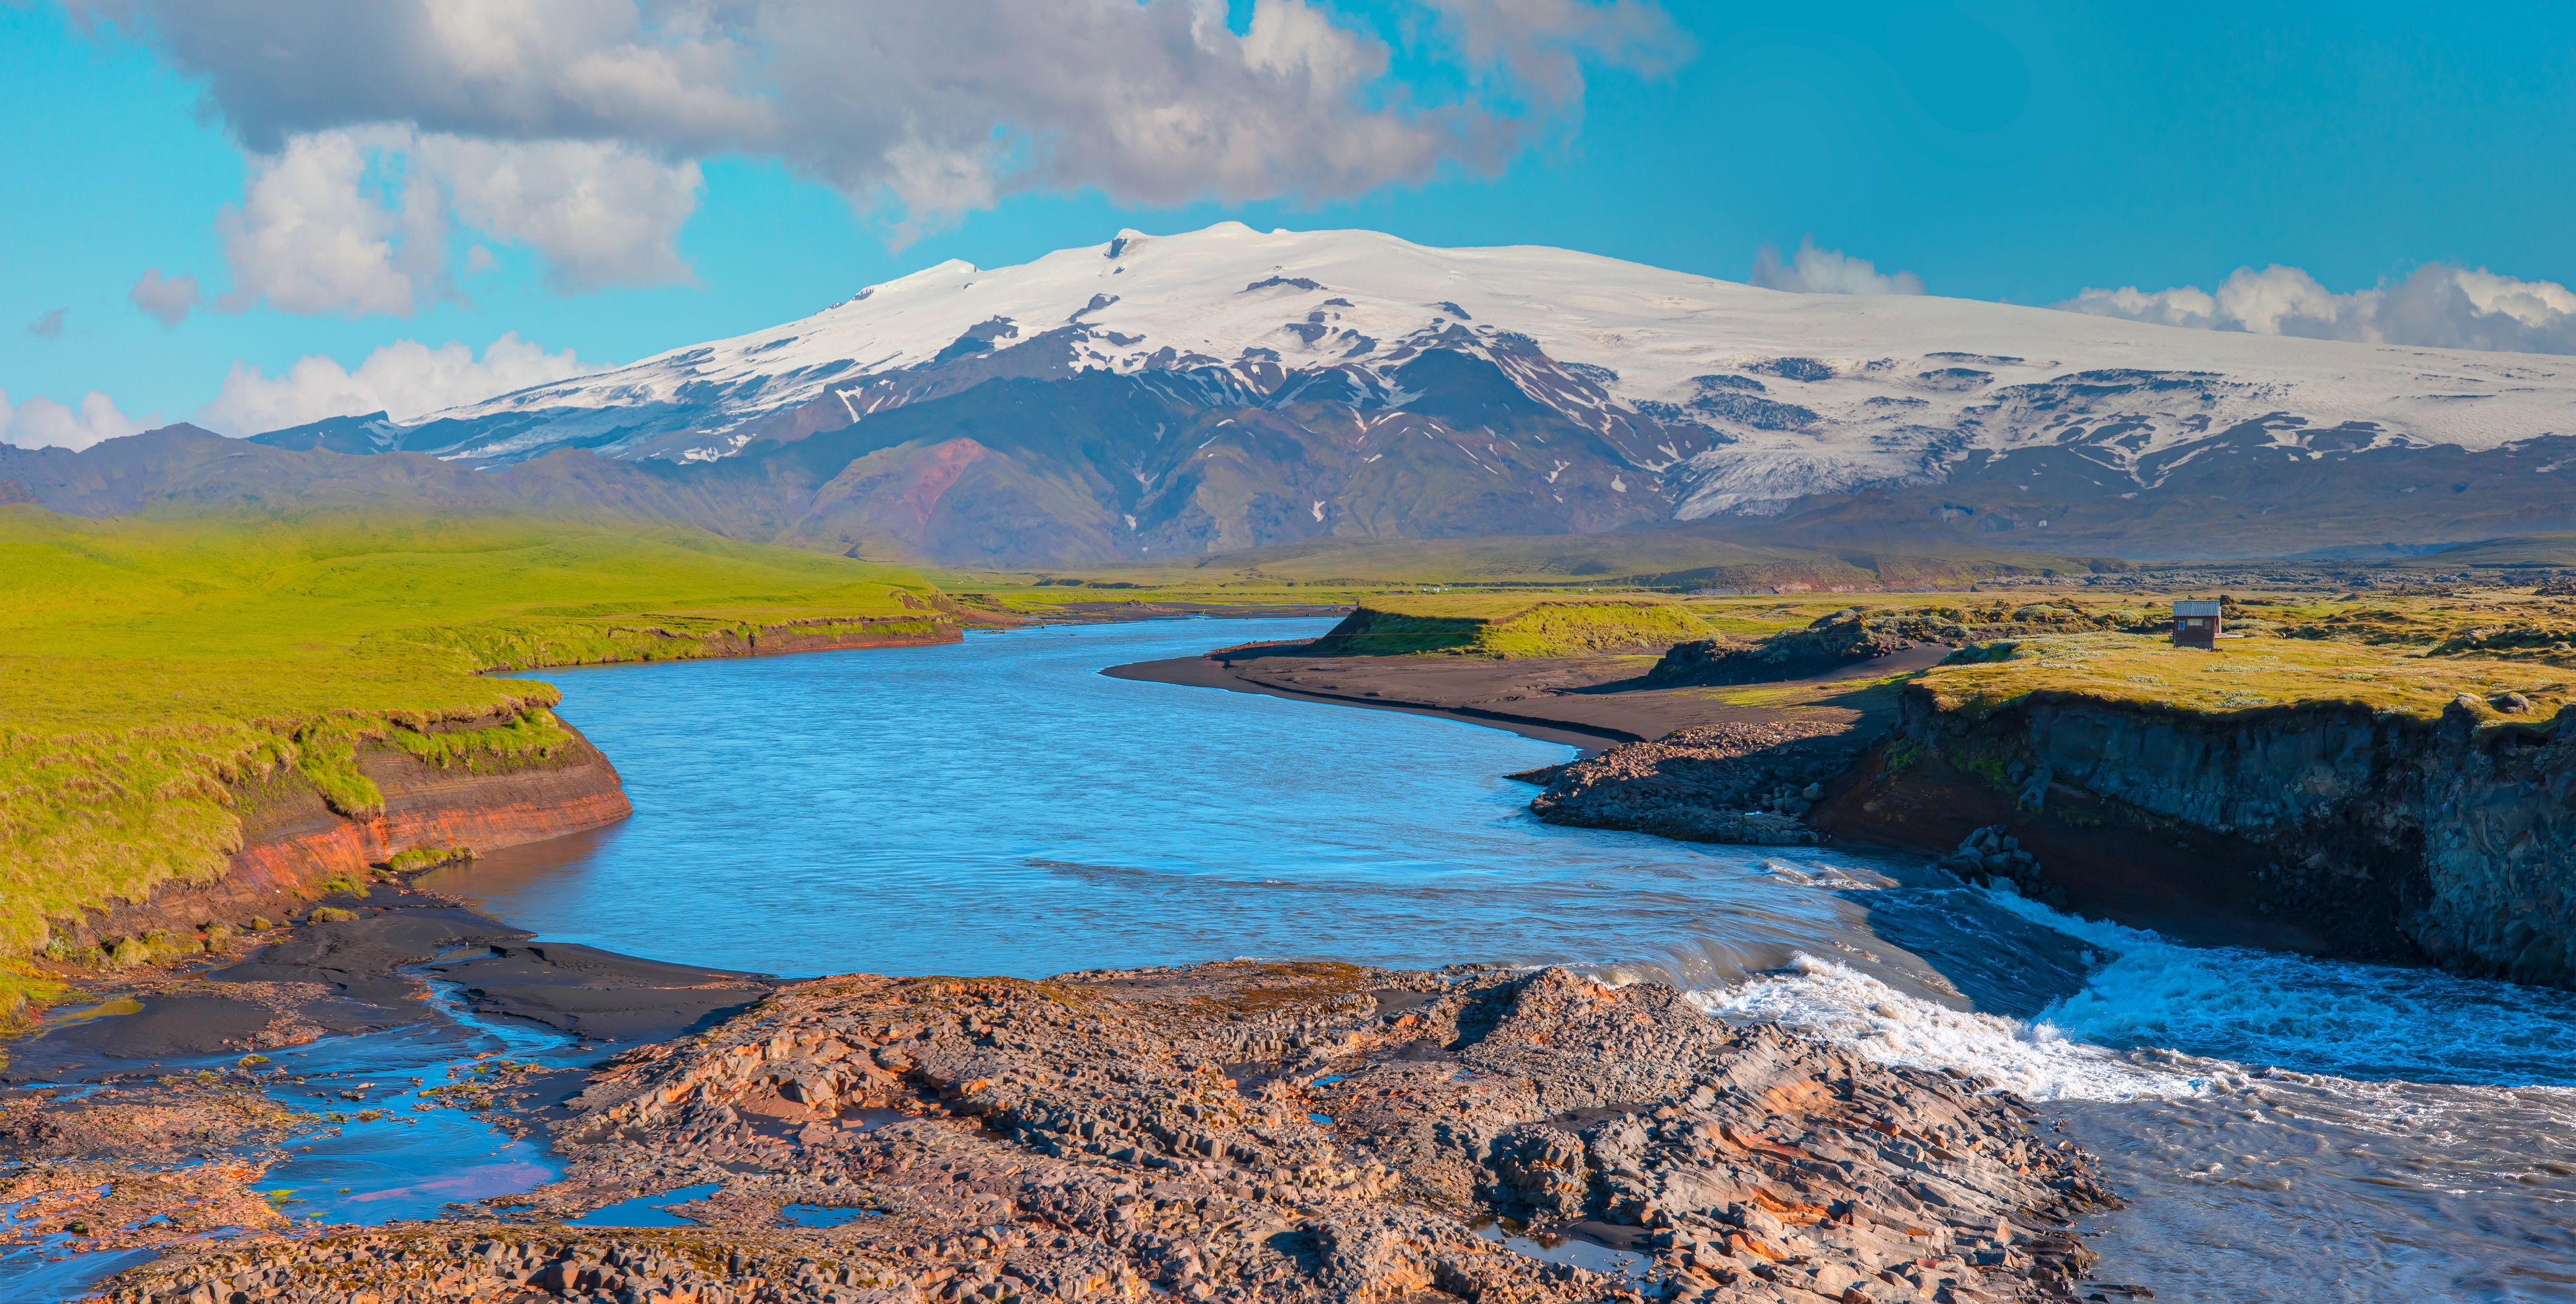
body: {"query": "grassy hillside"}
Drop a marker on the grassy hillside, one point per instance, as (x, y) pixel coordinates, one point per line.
(146, 663)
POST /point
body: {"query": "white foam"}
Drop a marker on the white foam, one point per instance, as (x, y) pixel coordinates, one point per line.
(2311, 1016)
(1826, 999)
(2163, 1020)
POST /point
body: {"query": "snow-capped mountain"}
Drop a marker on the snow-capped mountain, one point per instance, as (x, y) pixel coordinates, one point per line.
(1230, 388)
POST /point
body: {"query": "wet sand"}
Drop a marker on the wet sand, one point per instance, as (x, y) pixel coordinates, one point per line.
(1580, 701)
(362, 975)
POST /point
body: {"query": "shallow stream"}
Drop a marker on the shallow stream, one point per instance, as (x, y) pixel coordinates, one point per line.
(2289, 1129)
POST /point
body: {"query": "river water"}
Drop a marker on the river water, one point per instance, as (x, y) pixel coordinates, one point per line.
(2288, 1129)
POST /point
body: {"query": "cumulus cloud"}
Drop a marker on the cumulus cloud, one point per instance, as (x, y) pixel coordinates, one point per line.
(48, 325)
(1828, 271)
(404, 379)
(2439, 305)
(41, 422)
(168, 301)
(600, 214)
(357, 221)
(309, 236)
(592, 113)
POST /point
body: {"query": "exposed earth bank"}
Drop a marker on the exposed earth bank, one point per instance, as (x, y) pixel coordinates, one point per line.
(1239, 1131)
(294, 843)
(406, 808)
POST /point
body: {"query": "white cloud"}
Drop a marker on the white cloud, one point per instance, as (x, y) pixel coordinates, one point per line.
(1828, 271)
(167, 301)
(310, 236)
(357, 220)
(2439, 305)
(41, 422)
(404, 379)
(599, 214)
(917, 110)
(48, 325)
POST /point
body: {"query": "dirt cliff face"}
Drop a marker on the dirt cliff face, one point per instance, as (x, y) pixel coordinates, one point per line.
(2370, 835)
(292, 842)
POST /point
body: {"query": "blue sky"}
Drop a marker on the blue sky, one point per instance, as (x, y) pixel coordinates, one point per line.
(2009, 151)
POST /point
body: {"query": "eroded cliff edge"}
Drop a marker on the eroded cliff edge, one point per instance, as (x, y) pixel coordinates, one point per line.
(2328, 827)
(293, 842)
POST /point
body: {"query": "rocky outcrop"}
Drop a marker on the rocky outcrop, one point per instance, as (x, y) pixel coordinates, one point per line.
(1746, 783)
(1240, 1132)
(2449, 840)
(292, 842)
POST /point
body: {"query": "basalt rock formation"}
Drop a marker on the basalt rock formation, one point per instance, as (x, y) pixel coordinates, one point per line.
(1304, 1132)
(2390, 836)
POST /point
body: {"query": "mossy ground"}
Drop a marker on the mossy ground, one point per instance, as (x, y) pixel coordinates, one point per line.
(146, 664)
(2255, 673)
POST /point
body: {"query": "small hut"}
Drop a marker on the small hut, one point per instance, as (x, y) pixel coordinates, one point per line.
(2195, 624)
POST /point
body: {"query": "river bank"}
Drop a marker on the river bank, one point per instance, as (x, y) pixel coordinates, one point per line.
(2334, 828)
(1590, 702)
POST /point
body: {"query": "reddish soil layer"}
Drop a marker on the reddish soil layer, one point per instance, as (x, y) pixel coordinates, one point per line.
(292, 843)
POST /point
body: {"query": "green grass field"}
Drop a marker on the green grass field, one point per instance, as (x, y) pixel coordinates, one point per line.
(147, 663)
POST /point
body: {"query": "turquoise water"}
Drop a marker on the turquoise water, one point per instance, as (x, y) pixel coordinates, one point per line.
(1001, 808)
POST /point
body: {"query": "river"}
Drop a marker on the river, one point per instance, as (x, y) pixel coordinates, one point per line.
(2287, 1129)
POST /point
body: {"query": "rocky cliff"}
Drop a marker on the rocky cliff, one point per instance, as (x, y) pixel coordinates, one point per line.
(2329, 827)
